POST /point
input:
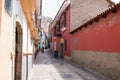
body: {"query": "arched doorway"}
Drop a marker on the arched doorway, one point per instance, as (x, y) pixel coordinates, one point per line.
(18, 50)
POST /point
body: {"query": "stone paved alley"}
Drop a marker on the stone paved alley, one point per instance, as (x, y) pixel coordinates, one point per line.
(47, 67)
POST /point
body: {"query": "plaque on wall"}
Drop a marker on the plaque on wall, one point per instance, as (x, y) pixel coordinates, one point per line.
(8, 6)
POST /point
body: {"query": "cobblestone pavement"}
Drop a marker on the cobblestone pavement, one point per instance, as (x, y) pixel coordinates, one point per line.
(47, 67)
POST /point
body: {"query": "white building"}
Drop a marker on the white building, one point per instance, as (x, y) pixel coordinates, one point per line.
(18, 38)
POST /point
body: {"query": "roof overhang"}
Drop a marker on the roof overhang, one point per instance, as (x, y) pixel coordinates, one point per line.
(112, 9)
(61, 10)
(29, 7)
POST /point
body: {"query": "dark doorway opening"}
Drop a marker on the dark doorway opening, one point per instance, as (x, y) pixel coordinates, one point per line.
(18, 50)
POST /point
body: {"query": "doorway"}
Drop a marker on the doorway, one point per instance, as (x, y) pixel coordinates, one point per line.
(61, 50)
(18, 51)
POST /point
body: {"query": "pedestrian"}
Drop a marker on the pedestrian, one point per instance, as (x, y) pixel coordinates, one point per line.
(43, 46)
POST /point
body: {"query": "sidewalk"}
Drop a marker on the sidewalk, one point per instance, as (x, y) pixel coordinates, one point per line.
(47, 67)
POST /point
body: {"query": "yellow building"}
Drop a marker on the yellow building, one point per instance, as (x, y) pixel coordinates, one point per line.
(18, 38)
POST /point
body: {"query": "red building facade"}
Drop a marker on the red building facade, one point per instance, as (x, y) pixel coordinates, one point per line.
(99, 36)
(94, 38)
(60, 29)
(96, 44)
(65, 34)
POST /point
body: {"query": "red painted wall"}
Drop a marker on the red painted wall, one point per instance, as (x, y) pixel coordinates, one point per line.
(100, 36)
(66, 35)
(57, 40)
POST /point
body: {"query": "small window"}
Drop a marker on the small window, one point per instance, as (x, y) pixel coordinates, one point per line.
(8, 6)
(64, 19)
(58, 27)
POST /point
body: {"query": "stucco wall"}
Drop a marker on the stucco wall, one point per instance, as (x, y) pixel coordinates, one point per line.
(66, 35)
(19, 16)
(100, 36)
(7, 41)
(98, 46)
(105, 63)
(30, 65)
(0, 13)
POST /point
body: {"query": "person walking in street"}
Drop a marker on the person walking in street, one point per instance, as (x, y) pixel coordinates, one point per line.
(43, 46)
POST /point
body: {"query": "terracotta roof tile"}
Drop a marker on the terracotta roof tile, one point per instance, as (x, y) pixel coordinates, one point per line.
(84, 11)
(104, 13)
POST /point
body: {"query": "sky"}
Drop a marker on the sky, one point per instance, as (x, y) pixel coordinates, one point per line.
(116, 1)
(51, 7)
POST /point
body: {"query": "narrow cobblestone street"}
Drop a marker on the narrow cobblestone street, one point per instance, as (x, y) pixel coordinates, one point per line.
(47, 67)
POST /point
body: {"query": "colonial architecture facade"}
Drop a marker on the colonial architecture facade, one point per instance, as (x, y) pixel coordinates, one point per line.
(90, 35)
(59, 29)
(18, 38)
(94, 29)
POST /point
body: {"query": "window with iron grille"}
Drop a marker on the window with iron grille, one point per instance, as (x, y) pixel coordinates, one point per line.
(63, 20)
(58, 27)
